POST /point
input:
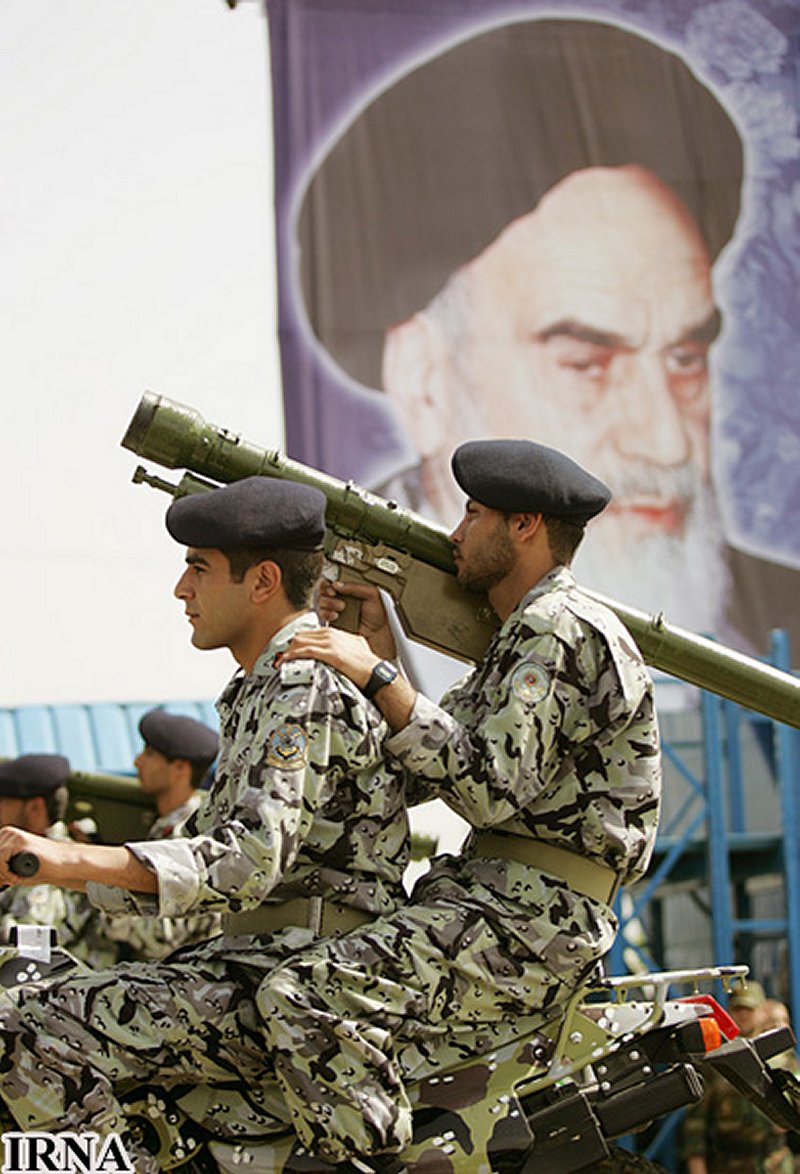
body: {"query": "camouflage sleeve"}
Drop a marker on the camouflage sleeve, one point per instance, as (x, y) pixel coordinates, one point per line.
(140, 937)
(491, 760)
(291, 761)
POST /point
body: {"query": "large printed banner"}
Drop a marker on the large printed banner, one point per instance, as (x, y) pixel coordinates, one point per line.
(576, 225)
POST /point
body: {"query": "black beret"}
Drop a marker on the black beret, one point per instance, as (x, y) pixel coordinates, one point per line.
(257, 512)
(176, 736)
(434, 167)
(520, 476)
(33, 774)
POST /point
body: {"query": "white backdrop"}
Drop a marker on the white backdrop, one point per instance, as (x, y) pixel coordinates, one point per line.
(136, 254)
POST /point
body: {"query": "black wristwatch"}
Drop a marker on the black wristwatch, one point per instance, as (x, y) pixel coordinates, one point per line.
(383, 674)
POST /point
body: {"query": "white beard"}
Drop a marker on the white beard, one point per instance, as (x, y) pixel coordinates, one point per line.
(684, 577)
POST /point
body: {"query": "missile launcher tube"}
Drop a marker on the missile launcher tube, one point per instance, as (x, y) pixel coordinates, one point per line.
(177, 437)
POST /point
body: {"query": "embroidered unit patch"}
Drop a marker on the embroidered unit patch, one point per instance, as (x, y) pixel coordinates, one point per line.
(530, 682)
(288, 746)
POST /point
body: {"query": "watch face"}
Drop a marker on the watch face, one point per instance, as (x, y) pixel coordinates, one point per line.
(383, 674)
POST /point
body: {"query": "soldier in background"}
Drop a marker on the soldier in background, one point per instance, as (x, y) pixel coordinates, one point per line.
(172, 767)
(34, 797)
(774, 1013)
(724, 1133)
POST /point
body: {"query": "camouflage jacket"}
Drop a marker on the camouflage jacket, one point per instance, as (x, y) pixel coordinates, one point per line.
(140, 937)
(553, 736)
(732, 1134)
(70, 913)
(164, 827)
(302, 803)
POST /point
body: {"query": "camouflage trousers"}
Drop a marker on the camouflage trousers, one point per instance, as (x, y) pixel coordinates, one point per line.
(344, 1024)
(350, 1022)
(780, 1161)
(70, 1048)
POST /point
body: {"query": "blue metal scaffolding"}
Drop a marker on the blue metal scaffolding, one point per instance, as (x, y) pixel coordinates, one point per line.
(730, 826)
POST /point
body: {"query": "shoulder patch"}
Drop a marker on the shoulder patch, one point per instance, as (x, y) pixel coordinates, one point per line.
(288, 746)
(530, 681)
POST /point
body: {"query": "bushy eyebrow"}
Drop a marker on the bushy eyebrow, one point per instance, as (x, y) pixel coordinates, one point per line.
(706, 331)
(583, 332)
(196, 560)
(703, 332)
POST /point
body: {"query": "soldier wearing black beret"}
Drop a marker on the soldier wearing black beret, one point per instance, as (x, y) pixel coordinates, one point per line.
(33, 792)
(34, 798)
(549, 748)
(303, 833)
(254, 513)
(172, 767)
(176, 758)
(177, 736)
(520, 476)
(175, 761)
(251, 523)
(33, 776)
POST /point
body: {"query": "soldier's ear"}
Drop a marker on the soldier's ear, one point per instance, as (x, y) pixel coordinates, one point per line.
(525, 525)
(266, 579)
(415, 377)
(36, 810)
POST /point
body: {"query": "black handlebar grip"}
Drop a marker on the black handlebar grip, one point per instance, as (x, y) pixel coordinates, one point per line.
(24, 863)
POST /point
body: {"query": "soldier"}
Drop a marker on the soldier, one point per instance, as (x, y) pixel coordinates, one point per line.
(172, 767)
(724, 1133)
(34, 797)
(304, 833)
(549, 748)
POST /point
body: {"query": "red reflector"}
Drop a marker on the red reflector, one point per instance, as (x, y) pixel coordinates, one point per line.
(712, 1035)
(725, 1024)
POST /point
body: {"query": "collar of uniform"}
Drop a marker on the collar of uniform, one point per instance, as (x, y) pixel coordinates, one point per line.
(560, 578)
(268, 661)
(265, 666)
(163, 826)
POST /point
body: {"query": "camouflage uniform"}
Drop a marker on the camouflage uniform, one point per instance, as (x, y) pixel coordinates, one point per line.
(139, 938)
(733, 1135)
(553, 737)
(302, 804)
(78, 927)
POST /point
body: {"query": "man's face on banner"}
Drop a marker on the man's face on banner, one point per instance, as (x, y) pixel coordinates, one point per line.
(585, 325)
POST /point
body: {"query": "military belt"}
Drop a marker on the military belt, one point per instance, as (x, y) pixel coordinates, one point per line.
(581, 874)
(323, 917)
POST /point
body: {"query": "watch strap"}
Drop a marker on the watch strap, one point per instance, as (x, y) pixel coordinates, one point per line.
(383, 674)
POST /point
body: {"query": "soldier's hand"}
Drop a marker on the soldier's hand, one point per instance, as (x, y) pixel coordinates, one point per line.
(13, 841)
(373, 622)
(345, 651)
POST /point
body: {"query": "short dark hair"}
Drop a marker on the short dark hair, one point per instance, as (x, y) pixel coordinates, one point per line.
(198, 776)
(563, 538)
(300, 569)
(198, 770)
